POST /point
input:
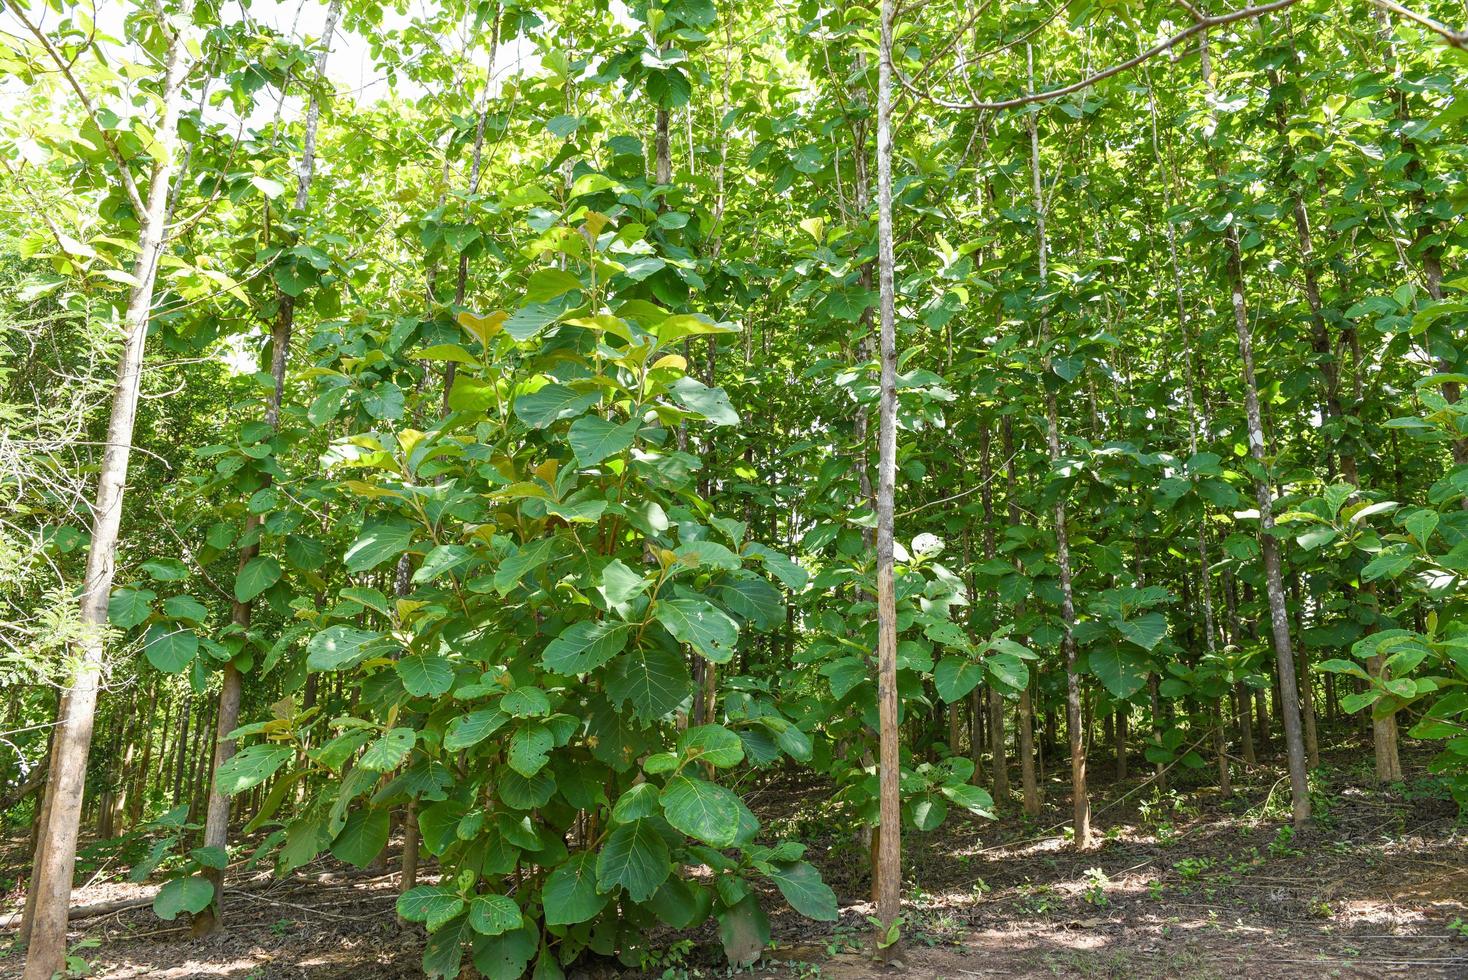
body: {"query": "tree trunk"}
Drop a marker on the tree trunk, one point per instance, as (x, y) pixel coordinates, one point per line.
(889, 855)
(1120, 726)
(1268, 544)
(1082, 802)
(1025, 736)
(1307, 693)
(46, 953)
(216, 825)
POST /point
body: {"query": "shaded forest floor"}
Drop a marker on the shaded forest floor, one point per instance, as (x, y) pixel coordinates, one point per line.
(1181, 884)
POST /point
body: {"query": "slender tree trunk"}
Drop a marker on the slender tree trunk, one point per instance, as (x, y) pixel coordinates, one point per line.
(1205, 591)
(1160, 777)
(1119, 733)
(1302, 665)
(216, 825)
(889, 857)
(39, 838)
(1268, 544)
(46, 953)
(1025, 732)
(1082, 802)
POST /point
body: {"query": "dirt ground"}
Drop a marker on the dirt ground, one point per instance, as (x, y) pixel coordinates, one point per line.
(1185, 884)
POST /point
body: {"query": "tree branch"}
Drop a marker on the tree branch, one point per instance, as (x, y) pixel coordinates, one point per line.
(1199, 26)
(65, 68)
(1457, 39)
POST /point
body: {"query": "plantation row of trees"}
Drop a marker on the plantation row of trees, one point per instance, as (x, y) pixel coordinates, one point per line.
(518, 454)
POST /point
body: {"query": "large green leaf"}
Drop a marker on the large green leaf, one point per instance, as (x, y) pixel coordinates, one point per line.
(427, 903)
(191, 894)
(570, 893)
(552, 403)
(362, 838)
(593, 438)
(635, 857)
(702, 810)
(654, 681)
(493, 915)
(700, 624)
(169, 648)
(473, 728)
(1145, 631)
(530, 557)
(379, 541)
(1008, 669)
(955, 677)
(388, 751)
(713, 744)
(425, 675)
(744, 930)
(339, 647)
(803, 888)
(585, 646)
(259, 574)
(711, 403)
(250, 767)
(529, 748)
(1122, 671)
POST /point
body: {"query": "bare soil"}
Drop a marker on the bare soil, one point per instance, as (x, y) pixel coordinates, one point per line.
(1181, 885)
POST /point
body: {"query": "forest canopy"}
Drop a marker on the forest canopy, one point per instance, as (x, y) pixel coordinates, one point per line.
(503, 434)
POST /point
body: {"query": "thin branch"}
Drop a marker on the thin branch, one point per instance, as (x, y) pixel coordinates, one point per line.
(65, 68)
(1207, 23)
(1457, 39)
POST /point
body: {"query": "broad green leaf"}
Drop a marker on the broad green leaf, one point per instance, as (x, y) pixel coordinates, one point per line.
(492, 915)
(338, 647)
(652, 680)
(362, 838)
(191, 894)
(425, 675)
(974, 799)
(530, 557)
(702, 810)
(634, 857)
(442, 559)
(250, 767)
(529, 748)
(593, 438)
(165, 569)
(570, 894)
(170, 649)
(1008, 669)
(787, 570)
(1145, 631)
(525, 702)
(388, 751)
(713, 744)
(185, 607)
(130, 607)
(552, 403)
(638, 801)
(803, 888)
(582, 647)
(429, 902)
(473, 728)
(700, 624)
(1388, 564)
(259, 574)
(744, 931)
(1121, 671)
(955, 677)
(379, 541)
(712, 403)
(547, 284)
